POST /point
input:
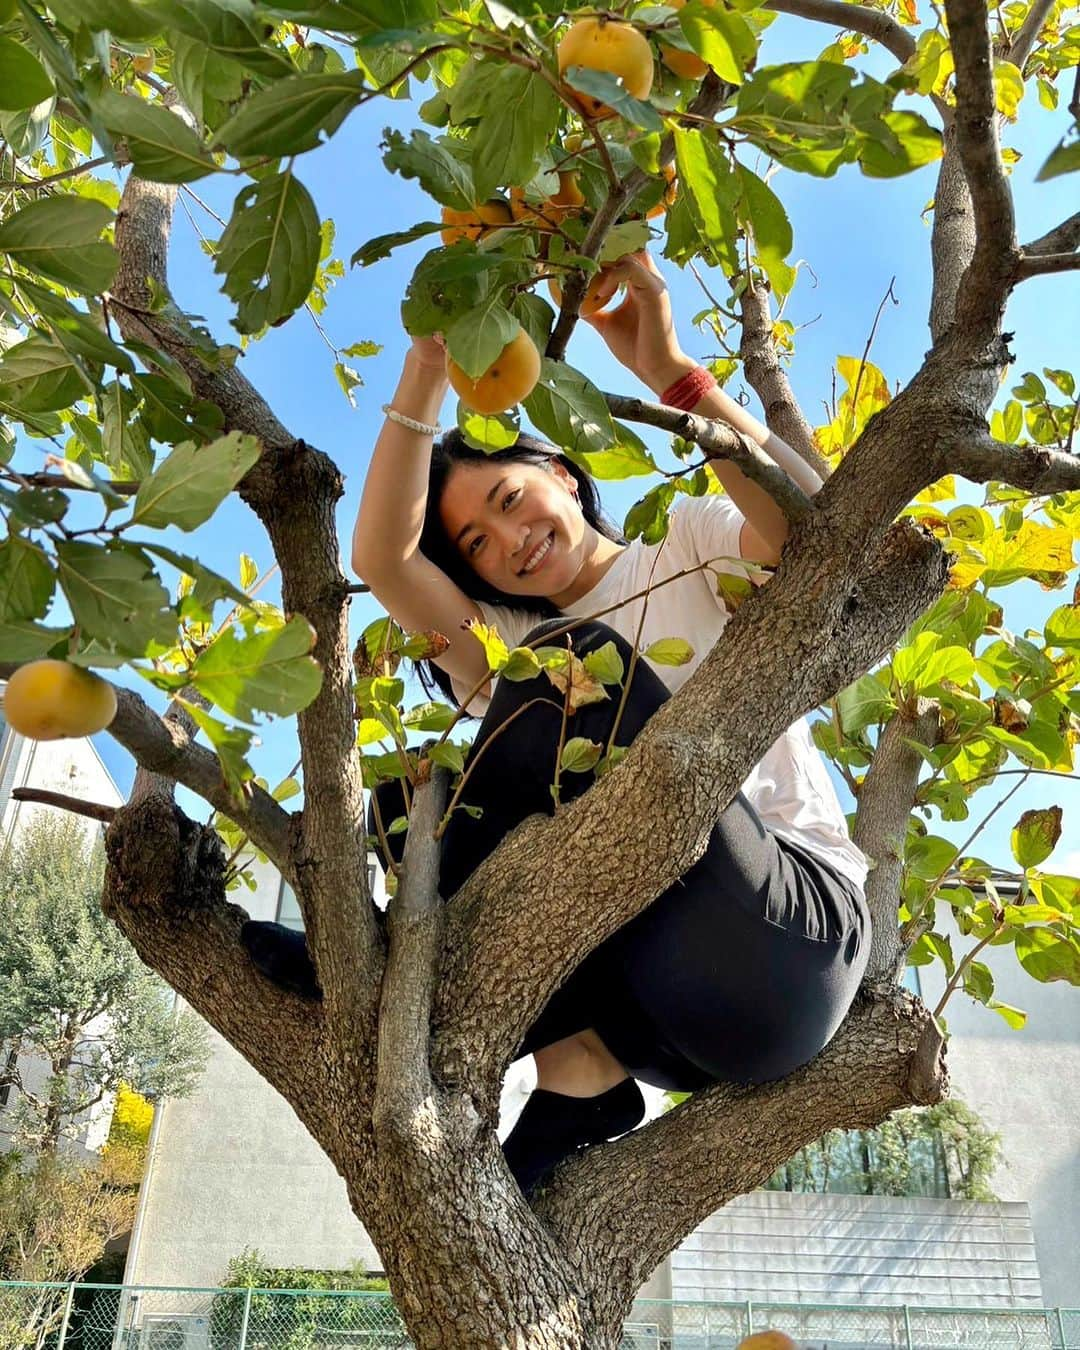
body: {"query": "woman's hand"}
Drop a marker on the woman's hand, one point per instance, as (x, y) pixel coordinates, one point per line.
(429, 352)
(640, 332)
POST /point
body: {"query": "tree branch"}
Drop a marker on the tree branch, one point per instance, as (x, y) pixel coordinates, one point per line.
(720, 441)
(1042, 264)
(293, 490)
(655, 1185)
(414, 921)
(886, 799)
(76, 805)
(1028, 32)
(981, 459)
(987, 280)
(1061, 239)
(768, 379)
(872, 23)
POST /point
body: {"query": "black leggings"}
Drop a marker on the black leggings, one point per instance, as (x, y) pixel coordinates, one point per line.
(742, 971)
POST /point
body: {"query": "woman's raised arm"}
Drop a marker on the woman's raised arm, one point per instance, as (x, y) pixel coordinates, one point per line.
(386, 536)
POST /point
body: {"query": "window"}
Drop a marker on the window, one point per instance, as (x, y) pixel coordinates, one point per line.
(288, 907)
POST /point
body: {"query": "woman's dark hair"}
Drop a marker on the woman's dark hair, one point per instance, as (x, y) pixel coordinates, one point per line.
(435, 544)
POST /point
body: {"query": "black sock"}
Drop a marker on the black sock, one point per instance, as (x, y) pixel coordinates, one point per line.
(281, 955)
(552, 1125)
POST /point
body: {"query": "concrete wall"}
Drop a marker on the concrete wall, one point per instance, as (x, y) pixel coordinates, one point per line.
(1025, 1085)
(773, 1245)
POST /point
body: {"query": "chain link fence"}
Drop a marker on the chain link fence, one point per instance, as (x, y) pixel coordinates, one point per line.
(130, 1317)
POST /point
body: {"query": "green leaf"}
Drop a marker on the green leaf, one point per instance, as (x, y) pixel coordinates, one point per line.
(23, 80)
(720, 37)
(289, 117)
(620, 461)
(1064, 158)
(38, 376)
(604, 86)
(569, 410)
(384, 244)
(209, 585)
(1035, 836)
(605, 664)
(163, 148)
(507, 147)
(476, 339)
(521, 664)
(979, 982)
(1047, 957)
(439, 172)
(928, 855)
(270, 671)
(648, 518)
(25, 131)
(904, 141)
(764, 213)
(580, 755)
(448, 755)
(269, 252)
(27, 580)
(121, 18)
(1063, 627)
(922, 665)
(429, 717)
(115, 596)
(495, 432)
(76, 332)
(188, 486)
(670, 652)
(57, 238)
(231, 745)
(24, 640)
(710, 189)
(1016, 1017)
(232, 27)
(862, 704)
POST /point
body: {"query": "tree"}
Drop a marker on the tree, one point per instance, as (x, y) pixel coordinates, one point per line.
(75, 997)
(396, 1071)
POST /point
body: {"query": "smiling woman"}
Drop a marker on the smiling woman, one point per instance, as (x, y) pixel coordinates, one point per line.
(448, 536)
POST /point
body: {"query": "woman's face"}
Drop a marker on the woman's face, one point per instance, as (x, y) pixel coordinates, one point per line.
(518, 526)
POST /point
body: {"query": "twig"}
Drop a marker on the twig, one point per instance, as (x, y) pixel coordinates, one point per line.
(555, 787)
(476, 759)
(34, 184)
(76, 805)
(870, 342)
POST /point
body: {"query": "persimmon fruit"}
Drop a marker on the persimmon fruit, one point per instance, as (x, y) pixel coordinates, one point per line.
(565, 202)
(476, 221)
(599, 292)
(48, 700)
(511, 377)
(611, 45)
(687, 65)
(767, 1340)
(670, 193)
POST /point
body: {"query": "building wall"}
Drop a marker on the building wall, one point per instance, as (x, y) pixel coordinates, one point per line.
(1025, 1085)
(773, 1245)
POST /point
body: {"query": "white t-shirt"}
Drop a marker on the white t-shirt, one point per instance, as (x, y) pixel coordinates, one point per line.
(790, 787)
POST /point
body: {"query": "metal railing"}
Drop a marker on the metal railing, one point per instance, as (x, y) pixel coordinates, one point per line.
(140, 1317)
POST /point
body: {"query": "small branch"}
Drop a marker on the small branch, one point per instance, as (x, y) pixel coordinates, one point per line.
(719, 441)
(414, 925)
(125, 487)
(768, 379)
(1033, 467)
(962, 967)
(1060, 239)
(987, 280)
(35, 184)
(76, 805)
(1028, 33)
(872, 23)
(886, 799)
(1044, 263)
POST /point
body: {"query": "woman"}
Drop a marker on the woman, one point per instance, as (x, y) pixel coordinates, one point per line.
(745, 968)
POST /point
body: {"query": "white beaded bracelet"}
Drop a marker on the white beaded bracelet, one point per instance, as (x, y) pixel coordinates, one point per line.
(410, 422)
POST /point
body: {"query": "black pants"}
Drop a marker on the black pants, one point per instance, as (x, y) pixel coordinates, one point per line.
(741, 972)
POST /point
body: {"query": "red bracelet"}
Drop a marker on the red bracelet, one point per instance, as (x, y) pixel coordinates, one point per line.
(688, 391)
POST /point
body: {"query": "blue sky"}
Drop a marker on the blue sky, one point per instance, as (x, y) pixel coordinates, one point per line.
(855, 233)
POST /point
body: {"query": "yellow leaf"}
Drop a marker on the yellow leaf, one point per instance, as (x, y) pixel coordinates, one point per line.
(1008, 88)
(943, 490)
